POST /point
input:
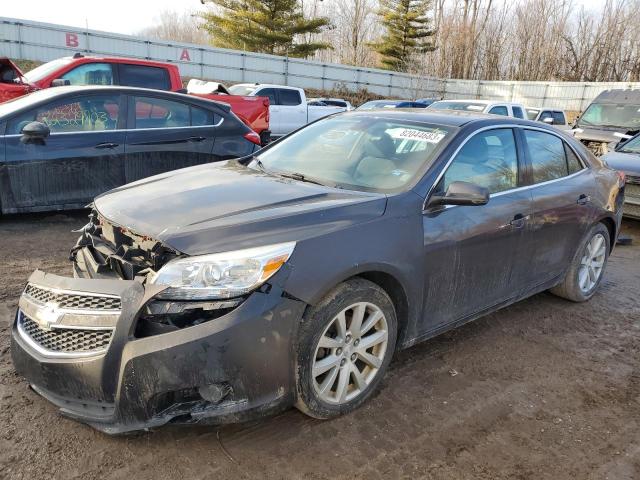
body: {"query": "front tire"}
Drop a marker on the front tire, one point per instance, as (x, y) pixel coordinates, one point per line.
(587, 268)
(346, 343)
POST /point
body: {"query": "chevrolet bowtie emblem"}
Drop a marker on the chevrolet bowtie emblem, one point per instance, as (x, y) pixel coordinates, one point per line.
(47, 315)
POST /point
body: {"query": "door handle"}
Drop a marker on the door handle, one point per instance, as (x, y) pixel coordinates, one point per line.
(584, 199)
(519, 221)
(196, 139)
(106, 145)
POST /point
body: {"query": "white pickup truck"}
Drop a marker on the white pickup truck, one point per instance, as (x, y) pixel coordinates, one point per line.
(288, 107)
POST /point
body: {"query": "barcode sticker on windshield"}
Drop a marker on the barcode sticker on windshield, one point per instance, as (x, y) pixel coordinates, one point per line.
(419, 135)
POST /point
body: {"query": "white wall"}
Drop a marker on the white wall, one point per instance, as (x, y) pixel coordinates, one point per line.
(23, 39)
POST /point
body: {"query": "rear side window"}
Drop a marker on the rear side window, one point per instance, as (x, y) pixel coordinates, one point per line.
(160, 113)
(143, 76)
(547, 154)
(517, 112)
(500, 110)
(90, 74)
(488, 159)
(289, 97)
(573, 162)
(201, 117)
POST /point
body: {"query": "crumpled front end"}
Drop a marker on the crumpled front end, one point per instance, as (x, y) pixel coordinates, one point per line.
(107, 352)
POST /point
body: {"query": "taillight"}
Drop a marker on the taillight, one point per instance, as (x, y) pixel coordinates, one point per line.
(253, 137)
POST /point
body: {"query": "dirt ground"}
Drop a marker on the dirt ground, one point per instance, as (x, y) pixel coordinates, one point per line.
(545, 389)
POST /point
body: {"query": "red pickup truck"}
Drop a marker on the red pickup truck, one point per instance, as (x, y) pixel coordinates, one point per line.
(88, 70)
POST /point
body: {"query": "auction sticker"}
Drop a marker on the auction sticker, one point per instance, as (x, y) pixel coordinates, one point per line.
(418, 135)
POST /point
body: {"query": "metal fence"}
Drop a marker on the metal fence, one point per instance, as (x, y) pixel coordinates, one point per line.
(39, 41)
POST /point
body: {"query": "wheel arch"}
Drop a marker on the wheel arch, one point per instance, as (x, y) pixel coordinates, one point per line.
(612, 228)
(390, 284)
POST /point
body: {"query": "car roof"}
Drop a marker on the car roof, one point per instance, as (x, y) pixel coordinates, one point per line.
(618, 96)
(545, 108)
(46, 94)
(453, 118)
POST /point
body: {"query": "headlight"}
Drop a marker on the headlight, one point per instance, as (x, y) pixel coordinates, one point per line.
(221, 275)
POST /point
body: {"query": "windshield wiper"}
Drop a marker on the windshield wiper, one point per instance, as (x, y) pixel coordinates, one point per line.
(300, 177)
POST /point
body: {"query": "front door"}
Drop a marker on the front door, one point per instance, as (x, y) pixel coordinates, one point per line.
(476, 256)
(166, 135)
(293, 112)
(83, 156)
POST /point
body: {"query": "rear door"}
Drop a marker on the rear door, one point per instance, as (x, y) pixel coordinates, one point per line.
(562, 211)
(164, 135)
(82, 157)
(475, 255)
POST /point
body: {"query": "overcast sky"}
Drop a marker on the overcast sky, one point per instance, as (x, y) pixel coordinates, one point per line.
(121, 16)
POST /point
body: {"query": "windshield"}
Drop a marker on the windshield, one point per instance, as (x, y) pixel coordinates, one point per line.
(608, 115)
(532, 113)
(467, 106)
(632, 146)
(242, 89)
(46, 69)
(367, 153)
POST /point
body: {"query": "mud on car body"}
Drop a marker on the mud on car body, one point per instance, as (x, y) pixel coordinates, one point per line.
(220, 292)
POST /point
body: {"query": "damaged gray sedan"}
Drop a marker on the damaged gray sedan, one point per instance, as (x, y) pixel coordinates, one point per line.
(223, 292)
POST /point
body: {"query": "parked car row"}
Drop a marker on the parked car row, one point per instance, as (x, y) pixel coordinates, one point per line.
(269, 110)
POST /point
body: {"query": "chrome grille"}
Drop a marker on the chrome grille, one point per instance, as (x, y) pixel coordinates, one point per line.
(65, 340)
(72, 300)
(633, 179)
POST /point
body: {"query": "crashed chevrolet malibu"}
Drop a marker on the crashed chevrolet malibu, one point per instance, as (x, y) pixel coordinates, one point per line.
(222, 292)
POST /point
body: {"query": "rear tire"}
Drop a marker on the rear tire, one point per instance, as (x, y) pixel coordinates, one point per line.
(346, 342)
(587, 268)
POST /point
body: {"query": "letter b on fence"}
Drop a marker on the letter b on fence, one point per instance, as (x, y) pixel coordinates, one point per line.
(71, 40)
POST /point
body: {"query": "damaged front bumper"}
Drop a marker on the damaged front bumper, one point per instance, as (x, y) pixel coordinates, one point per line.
(78, 343)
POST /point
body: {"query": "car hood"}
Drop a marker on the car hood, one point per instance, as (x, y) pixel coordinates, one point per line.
(217, 207)
(625, 162)
(8, 62)
(604, 135)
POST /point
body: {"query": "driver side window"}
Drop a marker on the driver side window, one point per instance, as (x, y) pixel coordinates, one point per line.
(488, 159)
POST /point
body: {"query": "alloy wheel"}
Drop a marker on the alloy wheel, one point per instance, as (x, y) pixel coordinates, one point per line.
(592, 263)
(350, 352)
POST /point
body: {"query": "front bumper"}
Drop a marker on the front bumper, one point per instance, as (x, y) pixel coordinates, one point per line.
(632, 199)
(228, 369)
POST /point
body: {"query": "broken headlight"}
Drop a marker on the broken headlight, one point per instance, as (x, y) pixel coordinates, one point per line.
(221, 275)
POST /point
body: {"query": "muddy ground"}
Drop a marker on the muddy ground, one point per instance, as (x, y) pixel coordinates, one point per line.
(545, 389)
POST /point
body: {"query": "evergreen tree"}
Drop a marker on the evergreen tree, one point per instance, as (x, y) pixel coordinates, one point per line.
(265, 26)
(408, 31)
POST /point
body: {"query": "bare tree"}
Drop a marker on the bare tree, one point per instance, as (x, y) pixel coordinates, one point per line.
(179, 27)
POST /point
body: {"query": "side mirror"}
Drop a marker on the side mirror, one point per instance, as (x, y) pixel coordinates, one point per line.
(462, 193)
(548, 120)
(59, 82)
(35, 131)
